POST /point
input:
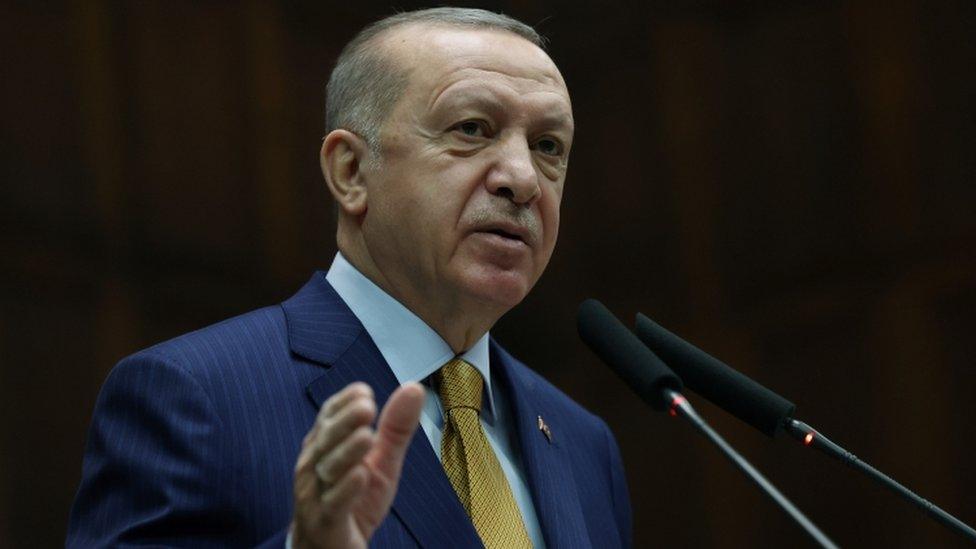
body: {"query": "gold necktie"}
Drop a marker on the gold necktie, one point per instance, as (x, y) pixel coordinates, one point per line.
(471, 464)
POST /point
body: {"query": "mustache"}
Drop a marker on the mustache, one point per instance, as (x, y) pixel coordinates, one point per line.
(505, 212)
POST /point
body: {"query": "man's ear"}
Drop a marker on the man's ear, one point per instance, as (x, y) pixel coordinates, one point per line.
(341, 157)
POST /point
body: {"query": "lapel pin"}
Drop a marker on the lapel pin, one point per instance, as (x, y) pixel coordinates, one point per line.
(545, 429)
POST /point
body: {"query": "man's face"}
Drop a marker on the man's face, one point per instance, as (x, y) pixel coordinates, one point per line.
(463, 209)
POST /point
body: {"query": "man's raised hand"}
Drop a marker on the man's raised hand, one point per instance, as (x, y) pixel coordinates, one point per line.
(347, 473)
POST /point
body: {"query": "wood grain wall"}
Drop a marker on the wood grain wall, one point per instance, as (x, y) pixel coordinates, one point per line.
(791, 185)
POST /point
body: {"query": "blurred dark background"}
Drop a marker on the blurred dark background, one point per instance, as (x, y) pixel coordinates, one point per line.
(790, 185)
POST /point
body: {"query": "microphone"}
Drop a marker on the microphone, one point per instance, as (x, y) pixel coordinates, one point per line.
(765, 410)
(731, 390)
(630, 359)
(660, 388)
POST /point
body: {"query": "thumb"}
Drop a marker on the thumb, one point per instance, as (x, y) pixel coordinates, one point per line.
(397, 424)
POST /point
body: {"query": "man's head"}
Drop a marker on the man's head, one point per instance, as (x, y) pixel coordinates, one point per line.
(365, 82)
(449, 177)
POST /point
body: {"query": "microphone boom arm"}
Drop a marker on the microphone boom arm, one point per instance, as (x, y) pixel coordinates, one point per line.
(809, 436)
(680, 406)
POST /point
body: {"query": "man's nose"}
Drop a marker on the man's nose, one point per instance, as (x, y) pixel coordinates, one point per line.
(514, 176)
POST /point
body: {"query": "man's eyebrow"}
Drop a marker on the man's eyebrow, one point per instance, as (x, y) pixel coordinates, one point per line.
(557, 120)
(477, 96)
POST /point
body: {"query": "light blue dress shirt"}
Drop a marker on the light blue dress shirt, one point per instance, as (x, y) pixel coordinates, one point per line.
(414, 352)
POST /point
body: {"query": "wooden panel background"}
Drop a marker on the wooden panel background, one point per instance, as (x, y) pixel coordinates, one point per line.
(788, 184)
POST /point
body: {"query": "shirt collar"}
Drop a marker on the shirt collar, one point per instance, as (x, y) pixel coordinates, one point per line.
(413, 349)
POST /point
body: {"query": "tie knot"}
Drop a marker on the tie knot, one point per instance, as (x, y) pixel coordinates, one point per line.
(459, 385)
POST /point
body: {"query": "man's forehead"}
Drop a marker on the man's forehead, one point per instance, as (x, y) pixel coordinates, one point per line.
(432, 50)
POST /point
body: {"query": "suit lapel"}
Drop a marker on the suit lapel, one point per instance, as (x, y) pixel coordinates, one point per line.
(323, 329)
(547, 467)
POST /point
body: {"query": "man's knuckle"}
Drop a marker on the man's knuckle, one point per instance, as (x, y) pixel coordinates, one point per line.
(364, 410)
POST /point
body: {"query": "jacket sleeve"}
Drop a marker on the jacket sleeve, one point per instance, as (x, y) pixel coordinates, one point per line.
(621, 496)
(157, 470)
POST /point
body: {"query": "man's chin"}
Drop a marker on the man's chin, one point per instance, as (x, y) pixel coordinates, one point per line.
(501, 288)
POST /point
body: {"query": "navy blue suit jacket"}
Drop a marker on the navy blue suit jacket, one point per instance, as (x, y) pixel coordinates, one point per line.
(193, 441)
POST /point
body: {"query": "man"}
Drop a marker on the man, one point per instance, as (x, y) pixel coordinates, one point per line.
(449, 136)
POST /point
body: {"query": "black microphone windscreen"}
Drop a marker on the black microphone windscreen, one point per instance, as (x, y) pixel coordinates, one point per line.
(706, 375)
(625, 354)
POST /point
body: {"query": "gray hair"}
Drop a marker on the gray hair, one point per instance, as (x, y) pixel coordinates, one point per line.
(365, 85)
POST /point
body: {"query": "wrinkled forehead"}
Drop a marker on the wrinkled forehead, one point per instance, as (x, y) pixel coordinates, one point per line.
(434, 54)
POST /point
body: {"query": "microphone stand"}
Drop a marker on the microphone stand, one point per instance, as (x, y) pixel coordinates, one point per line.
(811, 437)
(681, 407)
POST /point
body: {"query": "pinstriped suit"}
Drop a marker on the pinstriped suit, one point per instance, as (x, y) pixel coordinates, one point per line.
(193, 441)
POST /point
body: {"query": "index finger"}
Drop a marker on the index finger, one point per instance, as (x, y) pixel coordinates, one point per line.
(349, 392)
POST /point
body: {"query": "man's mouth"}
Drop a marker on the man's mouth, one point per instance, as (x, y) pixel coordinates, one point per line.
(505, 234)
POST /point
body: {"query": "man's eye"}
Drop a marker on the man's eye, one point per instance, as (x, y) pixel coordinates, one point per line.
(472, 128)
(549, 146)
